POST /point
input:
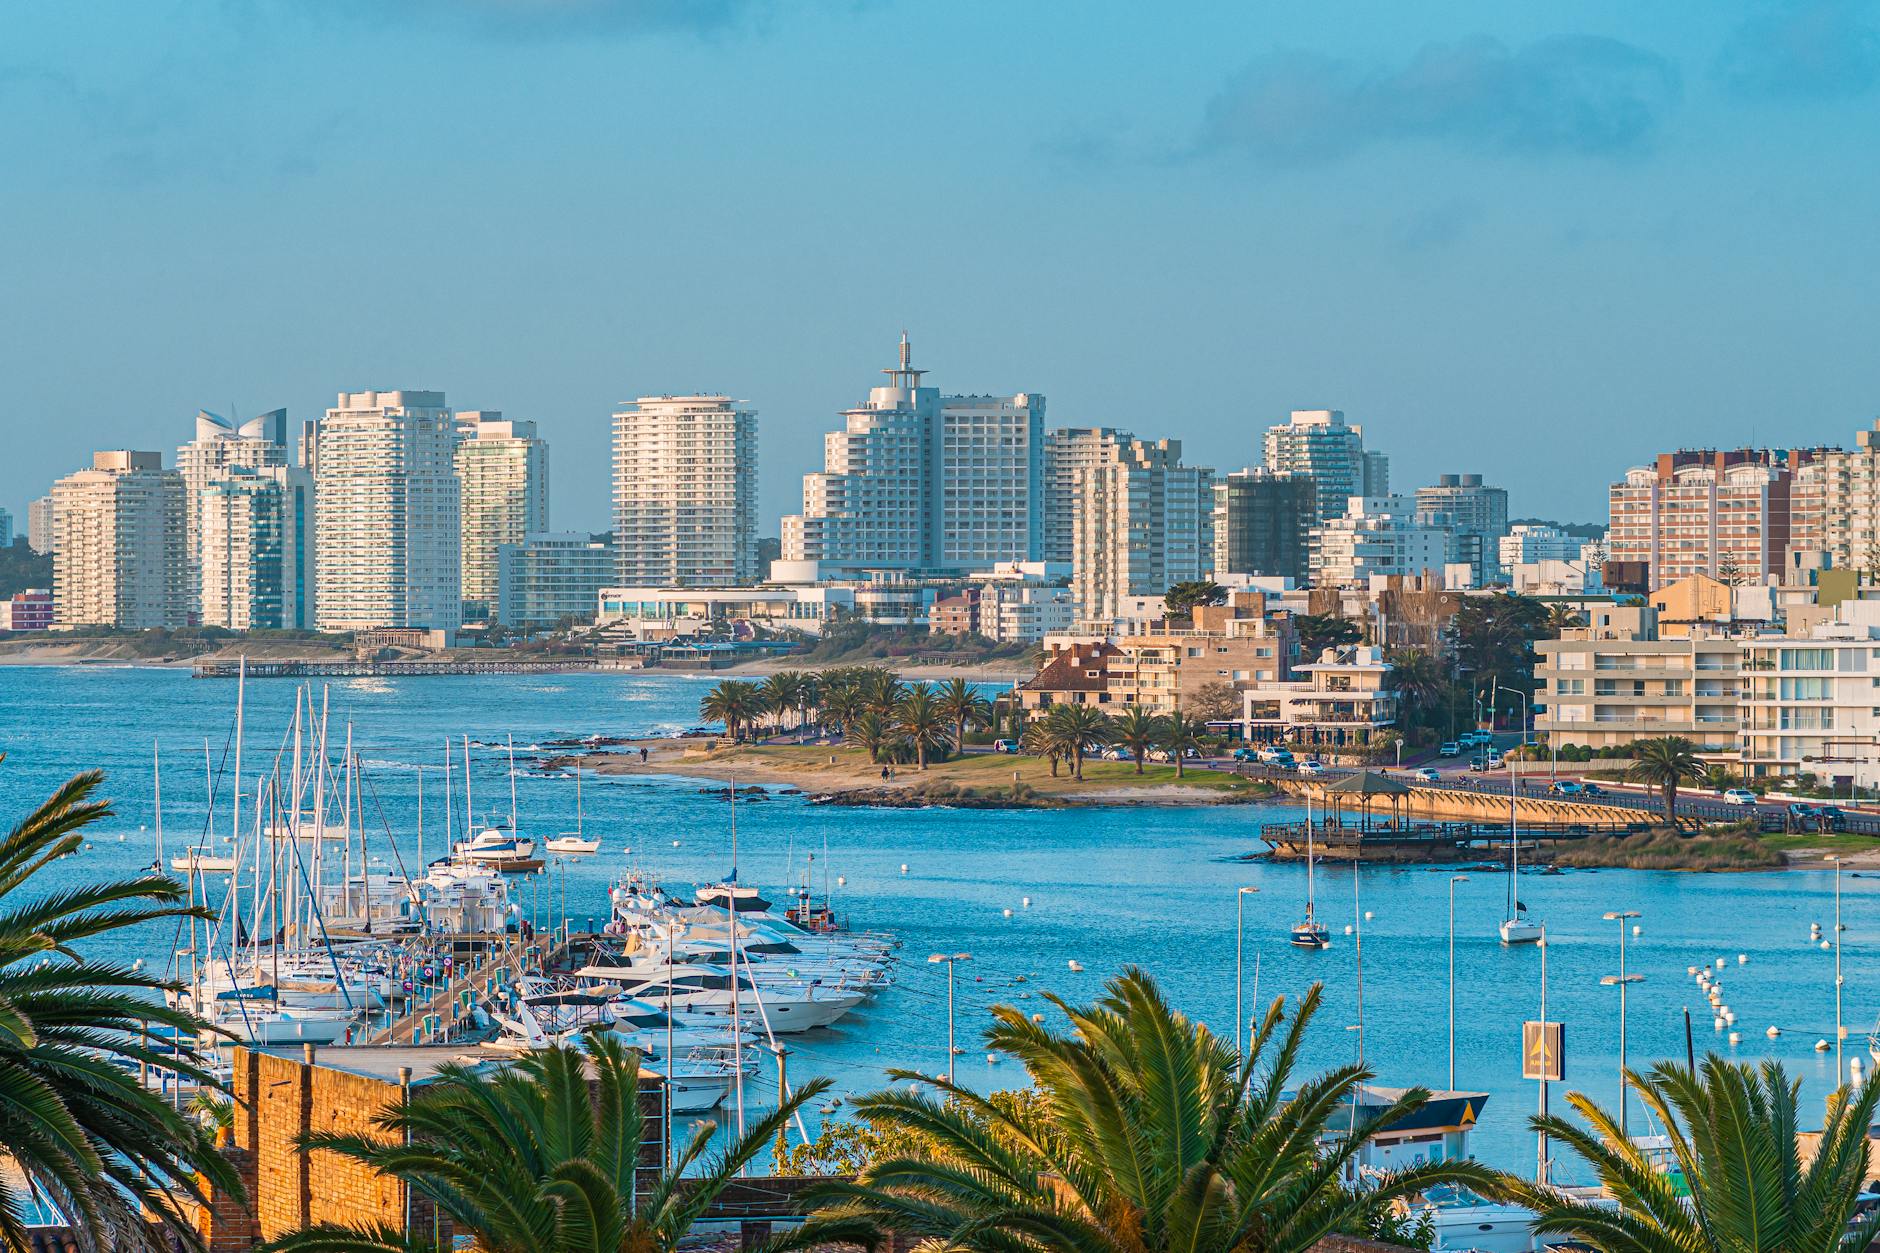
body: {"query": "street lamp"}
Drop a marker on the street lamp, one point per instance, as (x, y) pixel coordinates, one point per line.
(1454, 879)
(1620, 980)
(1240, 900)
(1840, 1032)
(950, 959)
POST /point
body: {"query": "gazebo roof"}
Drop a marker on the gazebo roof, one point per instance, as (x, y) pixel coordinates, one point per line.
(1367, 783)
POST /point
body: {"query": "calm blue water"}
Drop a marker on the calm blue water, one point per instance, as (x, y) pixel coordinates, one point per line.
(1154, 887)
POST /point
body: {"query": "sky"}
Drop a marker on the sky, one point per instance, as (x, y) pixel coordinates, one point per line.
(1539, 242)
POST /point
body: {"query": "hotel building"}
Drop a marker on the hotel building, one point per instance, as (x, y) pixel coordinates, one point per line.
(1724, 514)
(255, 548)
(1143, 521)
(502, 473)
(1376, 535)
(551, 577)
(219, 444)
(685, 492)
(387, 540)
(1318, 442)
(118, 557)
(1476, 516)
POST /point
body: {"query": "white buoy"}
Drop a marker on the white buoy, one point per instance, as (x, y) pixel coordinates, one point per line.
(903, 867)
(1037, 1017)
(1773, 1032)
(1854, 1069)
(1025, 901)
(120, 838)
(1074, 964)
(992, 1059)
(1347, 928)
(1008, 913)
(1691, 970)
(1729, 1017)
(1736, 1037)
(1742, 959)
(842, 881)
(1824, 944)
(1720, 963)
(1821, 1046)
(1367, 913)
(1716, 1024)
(1637, 930)
(675, 844)
(138, 964)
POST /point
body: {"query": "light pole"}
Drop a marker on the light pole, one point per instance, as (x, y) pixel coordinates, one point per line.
(1621, 916)
(950, 959)
(1540, 1170)
(1454, 879)
(1839, 1031)
(1240, 965)
(1523, 729)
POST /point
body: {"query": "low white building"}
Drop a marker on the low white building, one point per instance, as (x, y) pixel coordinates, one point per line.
(659, 613)
(1811, 703)
(1345, 700)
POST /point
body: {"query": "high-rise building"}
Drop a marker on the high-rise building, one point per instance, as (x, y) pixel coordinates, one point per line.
(254, 544)
(918, 481)
(1841, 503)
(1376, 535)
(1318, 442)
(1725, 514)
(1529, 542)
(118, 553)
(685, 492)
(1068, 452)
(1144, 522)
(551, 577)
(1263, 523)
(6, 528)
(220, 443)
(1477, 518)
(502, 469)
(387, 539)
(40, 531)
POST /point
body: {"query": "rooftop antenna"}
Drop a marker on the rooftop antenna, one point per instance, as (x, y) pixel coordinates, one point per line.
(905, 375)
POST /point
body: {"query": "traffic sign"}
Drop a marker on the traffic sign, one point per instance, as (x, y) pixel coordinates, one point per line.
(1544, 1051)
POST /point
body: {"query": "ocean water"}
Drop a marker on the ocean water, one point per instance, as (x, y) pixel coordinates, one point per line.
(1152, 887)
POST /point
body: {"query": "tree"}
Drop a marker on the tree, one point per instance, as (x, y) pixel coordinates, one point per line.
(870, 731)
(881, 691)
(77, 1125)
(530, 1162)
(1180, 600)
(1318, 632)
(1563, 617)
(842, 703)
(1180, 733)
(780, 694)
(1079, 729)
(1664, 763)
(1733, 1135)
(1150, 1135)
(1420, 680)
(1215, 701)
(735, 703)
(1138, 730)
(1495, 635)
(917, 716)
(962, 703)
(1043, 738)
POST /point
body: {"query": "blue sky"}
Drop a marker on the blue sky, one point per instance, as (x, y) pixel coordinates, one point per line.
(1537, 241)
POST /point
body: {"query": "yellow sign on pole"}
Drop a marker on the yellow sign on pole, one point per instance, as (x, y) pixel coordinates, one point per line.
(1544, 1051)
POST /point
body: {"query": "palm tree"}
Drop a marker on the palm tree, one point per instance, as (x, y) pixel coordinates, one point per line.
(881, 691)
(1561, 617)
(1079, 729)
(808, 696)
(869, 731)
(1420, 680)
(1149, 1135)
(1664, 763)
(1138, 730)
(1041, 738)
(1732, 1132)
(77, 1125)
(781, 694)
(965, 706)
(841, 704)
(536, 1160)
(917, 716)
(734, 703)
(1180, 733)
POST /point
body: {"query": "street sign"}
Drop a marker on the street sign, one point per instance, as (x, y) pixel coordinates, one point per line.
(1544, 1051)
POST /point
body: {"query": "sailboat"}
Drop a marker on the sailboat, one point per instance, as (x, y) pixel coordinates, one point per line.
(576, 842)
(1516, 928)
(1311, 933)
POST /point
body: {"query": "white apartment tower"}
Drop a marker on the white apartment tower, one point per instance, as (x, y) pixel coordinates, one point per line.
(685, 492)
(255, 548)
(1377, 535)
(1320, 443)
(39, 527)
(502, 467)
(1143, 522)
(219, 444)
(918, 481)
(1068, 452)
(387, 539)
(118, 554)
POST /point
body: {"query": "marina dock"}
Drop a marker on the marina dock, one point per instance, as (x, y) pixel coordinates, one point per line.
(357, 669)
(1336, 840)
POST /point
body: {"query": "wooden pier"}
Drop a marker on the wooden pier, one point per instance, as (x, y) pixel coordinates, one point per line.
(1412, 842)
(481, 981)
(358, 669)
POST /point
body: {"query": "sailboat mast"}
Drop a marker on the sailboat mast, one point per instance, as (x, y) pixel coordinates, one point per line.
(512, 783)
(1309, 851)
(469, 811)
(241, 688)
(450, 829)
(731, 922)
(156, 766)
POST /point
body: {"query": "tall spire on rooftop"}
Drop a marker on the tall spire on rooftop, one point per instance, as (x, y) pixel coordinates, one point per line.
(905, 375)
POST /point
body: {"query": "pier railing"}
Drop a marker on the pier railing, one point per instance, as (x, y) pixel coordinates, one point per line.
(357, 669)
(442, 1016)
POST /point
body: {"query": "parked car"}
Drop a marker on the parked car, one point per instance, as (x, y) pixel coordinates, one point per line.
(1159, 755)
(1739, 796)
(1005, 746)
(1566, 787)
(1310, 767)
(1274, 752)
(1591, 789)
(1496, 761)
(1246, 754)
(1118, 754)
(1427, 775)
(1450, 748)
(1831, 818)
(1803, 813)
